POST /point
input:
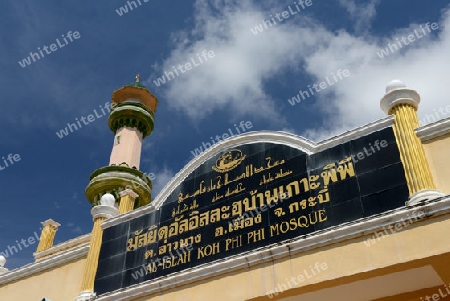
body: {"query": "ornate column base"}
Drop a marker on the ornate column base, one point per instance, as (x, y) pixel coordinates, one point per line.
(423, 195)
(86, 296)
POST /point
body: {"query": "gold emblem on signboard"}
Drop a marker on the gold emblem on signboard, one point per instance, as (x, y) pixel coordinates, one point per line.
(229, 160)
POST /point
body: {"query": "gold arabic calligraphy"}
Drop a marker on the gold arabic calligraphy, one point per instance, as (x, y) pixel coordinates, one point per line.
(223, 180)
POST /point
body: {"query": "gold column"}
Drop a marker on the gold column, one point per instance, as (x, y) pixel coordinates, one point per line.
(412, 153)
(99, 213)
(92, 260)
(48, 233)
(127, 199)
(403, 103)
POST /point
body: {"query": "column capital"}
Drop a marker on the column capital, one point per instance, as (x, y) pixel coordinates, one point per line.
(129, 192)
(397, 93)
(51, 223)
(104, 211)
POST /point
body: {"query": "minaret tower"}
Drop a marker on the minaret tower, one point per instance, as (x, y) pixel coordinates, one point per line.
(120, 184)
(131, 119)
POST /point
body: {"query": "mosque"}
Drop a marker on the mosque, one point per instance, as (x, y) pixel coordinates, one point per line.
(262, 215)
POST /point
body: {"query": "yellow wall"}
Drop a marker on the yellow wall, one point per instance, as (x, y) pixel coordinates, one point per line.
(424, 243)
(417, 245)
(59, 284)
(438, 155)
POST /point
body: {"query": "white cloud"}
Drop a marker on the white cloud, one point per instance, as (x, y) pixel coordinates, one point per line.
(355, 101)
(363, 14)
(74, 228)
(289, 130)
(235, 78)
(162, 177)
(77, 230)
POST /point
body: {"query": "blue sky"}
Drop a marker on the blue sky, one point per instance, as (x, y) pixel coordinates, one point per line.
(250, 78)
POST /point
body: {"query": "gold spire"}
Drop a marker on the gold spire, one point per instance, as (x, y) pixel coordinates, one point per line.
(138, 77)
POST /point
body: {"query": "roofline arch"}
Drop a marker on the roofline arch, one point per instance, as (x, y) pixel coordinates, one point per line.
(284, 138)
(277, 137)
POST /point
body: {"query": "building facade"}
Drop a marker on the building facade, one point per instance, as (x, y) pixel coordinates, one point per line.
(263, 215)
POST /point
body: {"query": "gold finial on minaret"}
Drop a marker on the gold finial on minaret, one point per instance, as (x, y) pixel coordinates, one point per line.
(138, 77)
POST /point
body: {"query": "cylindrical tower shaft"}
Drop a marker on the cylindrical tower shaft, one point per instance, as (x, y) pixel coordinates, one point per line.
(127, 147)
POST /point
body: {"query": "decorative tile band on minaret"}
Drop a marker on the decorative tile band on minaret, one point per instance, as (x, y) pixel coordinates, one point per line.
(49, 228)
(403, 103)
(102, 212)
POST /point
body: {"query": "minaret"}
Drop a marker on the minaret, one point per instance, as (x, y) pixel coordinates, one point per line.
(402, 103)
(131, 120)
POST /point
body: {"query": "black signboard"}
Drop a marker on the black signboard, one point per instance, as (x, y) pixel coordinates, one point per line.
(252, 196)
